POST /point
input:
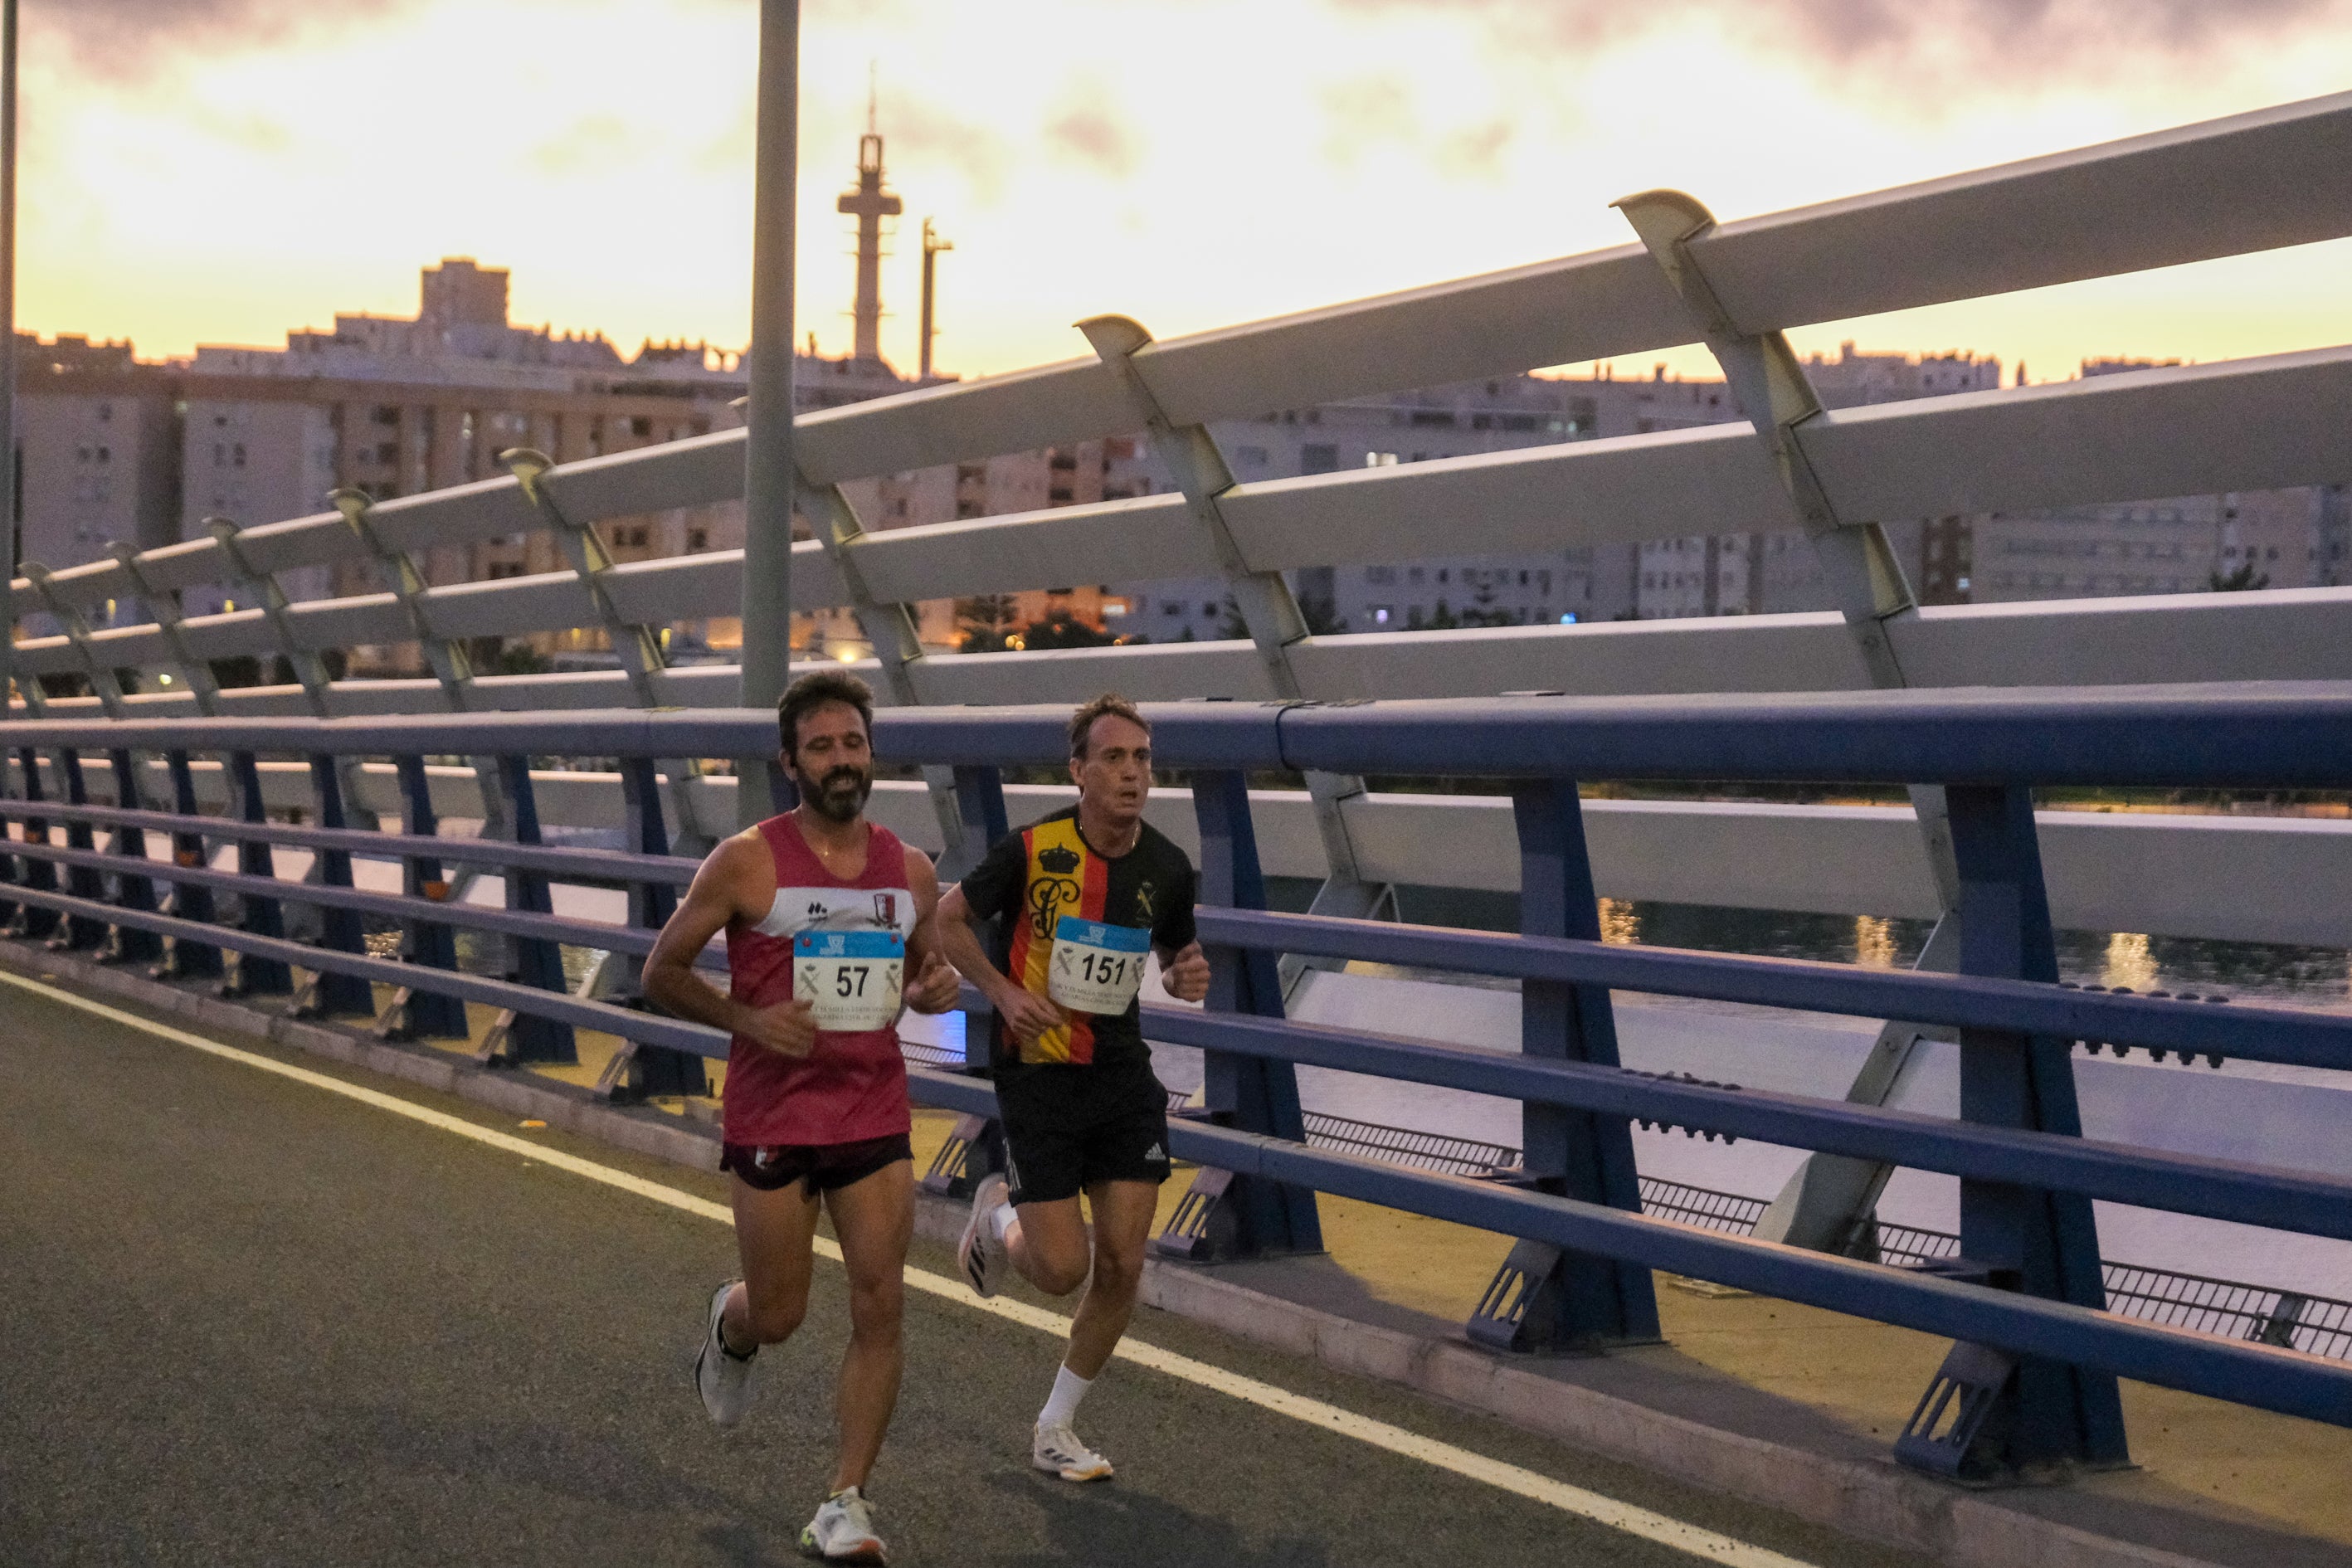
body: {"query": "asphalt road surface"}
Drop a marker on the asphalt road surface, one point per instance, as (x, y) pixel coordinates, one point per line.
(250, 1321)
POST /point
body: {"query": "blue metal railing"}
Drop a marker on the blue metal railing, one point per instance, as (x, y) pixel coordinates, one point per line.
(2026, 1289)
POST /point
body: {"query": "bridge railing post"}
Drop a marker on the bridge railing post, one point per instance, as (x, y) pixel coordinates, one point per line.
(261, 915)
(327, 994)
(1225, 1214)
(81, 882)
(414, 1014)
(637, 1071)
(12, 865)
(1544, 1298)
(517, 1036)
(2016, 1414)
(39, 875)
(975, 1146)
(184, 959)
(134, 888)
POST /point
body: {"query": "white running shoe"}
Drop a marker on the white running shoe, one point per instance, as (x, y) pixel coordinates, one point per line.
(983, 1252)
(1057, 1451)
(723, 1378)
(843, 1530)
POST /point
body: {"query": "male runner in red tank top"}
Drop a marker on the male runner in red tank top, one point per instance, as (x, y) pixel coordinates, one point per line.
(828, 920)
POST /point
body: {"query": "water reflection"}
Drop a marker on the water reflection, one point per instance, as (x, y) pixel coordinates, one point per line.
(2317, 977)
(2129, 963)
(1619, 923)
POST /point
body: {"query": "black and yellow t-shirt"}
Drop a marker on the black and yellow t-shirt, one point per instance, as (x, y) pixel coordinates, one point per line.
(1033, 879)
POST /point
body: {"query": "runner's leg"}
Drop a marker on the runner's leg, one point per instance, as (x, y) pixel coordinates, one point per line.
(1123, 1214)
(1048, 1243)
(874, 1218)
(773, 1231)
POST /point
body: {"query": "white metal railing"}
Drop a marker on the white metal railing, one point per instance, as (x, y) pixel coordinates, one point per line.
(2280, 176)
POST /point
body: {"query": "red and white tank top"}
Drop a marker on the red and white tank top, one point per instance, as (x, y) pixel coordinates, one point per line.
(852, 1086)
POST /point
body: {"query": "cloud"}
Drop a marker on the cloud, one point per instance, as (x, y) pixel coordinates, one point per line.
(1362, 112)
(596, 142)
(1088, 130)
(253, 133)
(1475, 151)
(919, 132)
(129, 40)
(1904, 50)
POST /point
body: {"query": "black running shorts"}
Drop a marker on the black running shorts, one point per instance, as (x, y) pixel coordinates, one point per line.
(823, 1167)
(1062, 1137)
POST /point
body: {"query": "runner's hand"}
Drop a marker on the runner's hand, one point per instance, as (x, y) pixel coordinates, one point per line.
(1187, 979)
(788, 1027)
(936, 986)
(1028, 1015)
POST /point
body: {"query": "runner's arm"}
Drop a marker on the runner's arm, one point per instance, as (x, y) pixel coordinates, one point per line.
(723, 889)
(1184, 967)
(1184, 973)
(1025, 1013)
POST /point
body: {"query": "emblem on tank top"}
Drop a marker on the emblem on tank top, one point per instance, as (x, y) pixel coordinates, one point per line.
(1048, 893)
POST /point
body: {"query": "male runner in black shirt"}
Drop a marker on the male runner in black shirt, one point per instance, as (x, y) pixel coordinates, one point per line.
(1081, 895)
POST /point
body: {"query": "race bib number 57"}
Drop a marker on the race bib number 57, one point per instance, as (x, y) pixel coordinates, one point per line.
(850, 979)
(1097, 968)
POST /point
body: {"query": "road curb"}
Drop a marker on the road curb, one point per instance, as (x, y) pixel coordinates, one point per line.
(1872, 1501)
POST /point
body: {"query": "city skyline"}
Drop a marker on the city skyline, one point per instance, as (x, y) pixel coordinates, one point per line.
(208, 174)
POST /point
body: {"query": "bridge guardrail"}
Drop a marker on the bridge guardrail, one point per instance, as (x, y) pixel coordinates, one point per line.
(2035, 1373)
(2251, 182)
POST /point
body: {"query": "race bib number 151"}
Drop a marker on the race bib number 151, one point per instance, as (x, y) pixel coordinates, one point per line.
(1097, 968)
(850, 979)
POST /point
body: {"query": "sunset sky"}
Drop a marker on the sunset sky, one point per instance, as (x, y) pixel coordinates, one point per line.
(219, 170)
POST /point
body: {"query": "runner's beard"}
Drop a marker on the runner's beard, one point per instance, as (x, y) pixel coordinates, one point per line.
(840, 796)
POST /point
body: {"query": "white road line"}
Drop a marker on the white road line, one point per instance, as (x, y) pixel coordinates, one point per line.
(1625, 1517)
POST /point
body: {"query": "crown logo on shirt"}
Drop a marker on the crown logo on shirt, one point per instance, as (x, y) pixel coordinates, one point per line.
(1060, 860)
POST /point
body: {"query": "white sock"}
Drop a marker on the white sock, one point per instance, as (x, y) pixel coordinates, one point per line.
(1000, 1220)
(1063, 1403)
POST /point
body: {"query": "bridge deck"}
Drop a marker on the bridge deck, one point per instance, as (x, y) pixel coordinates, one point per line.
(253, 1321)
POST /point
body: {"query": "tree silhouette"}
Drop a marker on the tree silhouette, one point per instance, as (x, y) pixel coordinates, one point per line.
(986, 622)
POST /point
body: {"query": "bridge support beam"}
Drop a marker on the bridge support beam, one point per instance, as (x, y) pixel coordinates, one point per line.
(134, 888)
(636, 647)
(81, 882)
(1831, 1202)
(2015, 1416)
(452, 668)
(327, 993)
(414, 1014)
(890, 631)
(1544, 1298)
(517, 1036)
(254, 976)
(35, 875)
(163, 607)
(976, 1145)
(639, 1071)
(184, 959)
(1225, 1214)
(1268, 609)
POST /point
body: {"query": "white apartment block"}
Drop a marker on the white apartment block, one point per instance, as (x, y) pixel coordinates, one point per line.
(99, 469)
(2186, 545)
